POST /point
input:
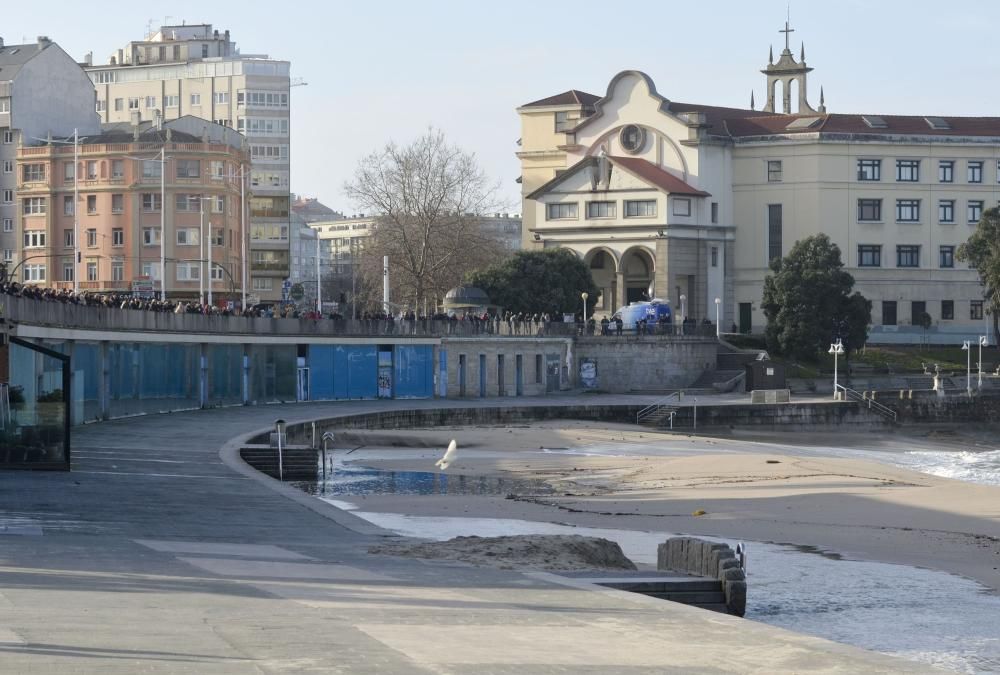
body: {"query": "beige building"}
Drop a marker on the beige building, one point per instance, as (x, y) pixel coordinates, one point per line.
(689, 202)
(196, 70)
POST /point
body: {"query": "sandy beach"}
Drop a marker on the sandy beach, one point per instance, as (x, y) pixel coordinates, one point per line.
(821, 492)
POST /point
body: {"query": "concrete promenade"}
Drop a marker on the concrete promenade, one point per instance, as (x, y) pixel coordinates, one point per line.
(155, 555)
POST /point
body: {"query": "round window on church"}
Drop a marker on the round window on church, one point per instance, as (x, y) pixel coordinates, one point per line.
(632, 138)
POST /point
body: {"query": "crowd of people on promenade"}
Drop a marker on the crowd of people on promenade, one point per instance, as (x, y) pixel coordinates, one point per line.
(404, 323)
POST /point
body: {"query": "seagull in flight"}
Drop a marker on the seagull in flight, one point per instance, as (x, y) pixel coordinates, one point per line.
(449, 456)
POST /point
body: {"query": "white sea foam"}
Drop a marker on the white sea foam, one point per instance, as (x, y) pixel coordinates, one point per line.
(974, 467)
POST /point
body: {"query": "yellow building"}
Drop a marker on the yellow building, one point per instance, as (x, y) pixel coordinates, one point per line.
(689, 202)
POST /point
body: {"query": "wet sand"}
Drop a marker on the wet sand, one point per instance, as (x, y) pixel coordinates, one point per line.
(781, 488)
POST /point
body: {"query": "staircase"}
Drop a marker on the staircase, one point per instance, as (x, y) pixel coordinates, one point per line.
(660, 417)
(298, 462)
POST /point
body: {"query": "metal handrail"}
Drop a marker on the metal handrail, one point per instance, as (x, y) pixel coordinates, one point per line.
(653, 407)
(883, 410)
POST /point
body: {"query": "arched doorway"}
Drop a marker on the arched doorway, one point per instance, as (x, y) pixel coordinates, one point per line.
(637, 269)
(604, 270)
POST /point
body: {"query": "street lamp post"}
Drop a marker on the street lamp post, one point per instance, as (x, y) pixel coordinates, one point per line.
(983, 340)
(718, 324)
(967, 348)
(76, 197)
(584, 295)
(837, 348)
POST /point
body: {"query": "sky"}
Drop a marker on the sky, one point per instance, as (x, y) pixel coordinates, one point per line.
(388, 69)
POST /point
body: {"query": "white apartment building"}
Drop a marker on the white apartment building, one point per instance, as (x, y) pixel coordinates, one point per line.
(42, 91)
(690, 202)
(196, 70)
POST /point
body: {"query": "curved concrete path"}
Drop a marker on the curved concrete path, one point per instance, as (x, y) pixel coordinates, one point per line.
(155, 555)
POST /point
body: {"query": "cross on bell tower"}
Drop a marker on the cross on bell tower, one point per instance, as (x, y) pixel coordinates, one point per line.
(786, 71)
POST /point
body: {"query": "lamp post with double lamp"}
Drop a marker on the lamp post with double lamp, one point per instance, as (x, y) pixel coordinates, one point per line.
(983, 341)
(718, 324)
(967, 348)
(837, 348)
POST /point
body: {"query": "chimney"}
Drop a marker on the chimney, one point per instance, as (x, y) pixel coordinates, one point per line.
(158, 119)
(1, 40)
(43, 42)
(88, 58)
(135, 117)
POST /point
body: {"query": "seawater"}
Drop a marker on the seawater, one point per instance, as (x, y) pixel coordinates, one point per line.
(969, 465)
(918, 614)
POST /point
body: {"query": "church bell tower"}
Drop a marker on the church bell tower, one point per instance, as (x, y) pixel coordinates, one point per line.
(786, 71)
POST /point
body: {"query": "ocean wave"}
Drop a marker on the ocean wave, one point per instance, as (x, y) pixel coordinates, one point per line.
(973, 467)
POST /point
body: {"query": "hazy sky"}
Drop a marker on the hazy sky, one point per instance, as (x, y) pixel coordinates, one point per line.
(381, 70)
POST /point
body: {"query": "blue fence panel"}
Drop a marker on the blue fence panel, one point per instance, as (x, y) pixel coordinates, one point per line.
(322, 373)
(362, 371)
(225, 374)
(414, 371)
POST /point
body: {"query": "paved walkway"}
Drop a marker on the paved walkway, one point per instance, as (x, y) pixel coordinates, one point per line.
(154, 555)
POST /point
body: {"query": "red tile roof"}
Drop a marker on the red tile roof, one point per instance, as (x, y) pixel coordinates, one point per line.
(571, 97)
(656, 176)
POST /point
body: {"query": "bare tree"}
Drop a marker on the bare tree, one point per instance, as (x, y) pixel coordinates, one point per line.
(430, 198)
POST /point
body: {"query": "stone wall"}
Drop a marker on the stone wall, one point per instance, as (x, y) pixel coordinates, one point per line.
(690, 555)
(523, 360)
(639, 364)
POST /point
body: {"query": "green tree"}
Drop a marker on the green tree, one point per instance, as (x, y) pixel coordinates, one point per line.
(808, 301)
(550, 280)
(982, 252)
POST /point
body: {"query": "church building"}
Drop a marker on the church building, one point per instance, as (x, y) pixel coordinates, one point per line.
(689, 202)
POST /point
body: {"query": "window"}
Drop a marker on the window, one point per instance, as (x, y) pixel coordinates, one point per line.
(177, 52)
(222, 97)
(869, 169)
(105, 76)
(974, 211)
(188, 271)
(218, 204)
(151, 168)
(8, 137)
(888, 312)
(218, 274)
(715, 256)
(946, 256)
(171, 101)
(640, 208)
(563, 122)
(8, 224)
(869, 255)
(161, 54)
(68, 272)
(5, 104)
(150, 236)
(8, 255)
(715, 212)
(908, 170)
(946, 210)
(265, 284)
(907, 256)
(947, 310)
(907, 210)
(8, 166)
(34, 272)
(946, 171)
(92, 270)
(682, 207)
(976, 310)
(204, 51)
(117, 168)
(119, 104)
(187, 236)
(151, 270)
(632, 138)
(133, 103)
(975, 172)
(33, 206)
(195, 99)
(7, 197)
(188, 168)
(560, 211)
(186, 202)
(117, 270)
(68, 238)
(91, 238)
(218, 170)
(218, 236)
(117, 203)
(32, 172)
(34, 239)
(117, 236)
(91, 204)
(150, 101)
(92, 169)
(917, 310)
(869, 210)
(774, 171)
(69, 172)
(773, 231)
(601, 209)
(151, 202)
